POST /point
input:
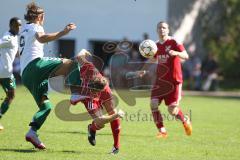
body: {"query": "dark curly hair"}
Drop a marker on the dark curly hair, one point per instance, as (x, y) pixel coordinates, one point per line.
(33, 10)
(98, 83)
(14, 20)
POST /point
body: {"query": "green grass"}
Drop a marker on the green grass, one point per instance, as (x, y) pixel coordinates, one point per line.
(216, 133)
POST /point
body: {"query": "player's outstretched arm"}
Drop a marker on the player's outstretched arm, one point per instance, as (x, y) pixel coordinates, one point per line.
(143, 71)
(102, 120)
(44, 38)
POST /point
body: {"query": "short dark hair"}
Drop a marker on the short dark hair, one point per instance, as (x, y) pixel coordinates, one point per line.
(163, 22)
(14, 20)
(33, 10)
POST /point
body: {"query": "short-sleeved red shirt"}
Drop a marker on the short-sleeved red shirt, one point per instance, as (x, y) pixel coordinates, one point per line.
(169, 67)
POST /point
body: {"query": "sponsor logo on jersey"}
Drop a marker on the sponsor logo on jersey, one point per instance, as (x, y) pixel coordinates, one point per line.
(167, 48)
(163, 58)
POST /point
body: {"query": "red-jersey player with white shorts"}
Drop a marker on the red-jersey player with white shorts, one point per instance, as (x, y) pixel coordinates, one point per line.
(94, 101)
(168, 83)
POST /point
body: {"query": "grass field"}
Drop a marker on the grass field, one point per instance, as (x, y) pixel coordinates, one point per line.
(216, 133)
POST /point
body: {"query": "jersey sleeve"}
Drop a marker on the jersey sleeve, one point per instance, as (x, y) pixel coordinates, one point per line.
(39, 29)
(88, 71)
(6, 42)
(179, 46)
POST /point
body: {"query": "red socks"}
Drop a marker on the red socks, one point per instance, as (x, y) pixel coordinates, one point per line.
(180, 115)
(115, 125)
(94, 127)
(157, 117)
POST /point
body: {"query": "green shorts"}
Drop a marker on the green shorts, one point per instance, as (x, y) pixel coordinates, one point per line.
(35, 76)
(8, 83)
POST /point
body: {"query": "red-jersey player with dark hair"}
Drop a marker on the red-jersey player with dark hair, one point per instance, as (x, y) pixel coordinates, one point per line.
(94, 100)
(168, 83)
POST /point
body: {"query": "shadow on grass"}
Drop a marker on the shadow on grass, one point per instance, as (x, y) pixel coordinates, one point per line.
(98, 133)
(65, 151)
(37, 151)
(18, 150)
(75, 132)
(78, 152)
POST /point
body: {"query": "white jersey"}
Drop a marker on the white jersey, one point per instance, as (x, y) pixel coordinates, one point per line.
(8, 51)
(31, 48)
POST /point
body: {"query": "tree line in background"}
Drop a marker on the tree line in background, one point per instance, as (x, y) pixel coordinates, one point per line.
(221, 26)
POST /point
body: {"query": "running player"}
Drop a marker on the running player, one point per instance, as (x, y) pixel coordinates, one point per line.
(168, 83)
(8, 51)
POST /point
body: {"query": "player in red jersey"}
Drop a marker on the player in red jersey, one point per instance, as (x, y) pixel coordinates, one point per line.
(94, 101)
(168, 83)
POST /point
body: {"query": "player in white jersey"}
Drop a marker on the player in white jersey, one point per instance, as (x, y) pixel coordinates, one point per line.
(36, 69)
(8, 51)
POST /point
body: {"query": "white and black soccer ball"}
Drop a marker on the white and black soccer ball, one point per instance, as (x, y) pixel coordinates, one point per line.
(148, 48)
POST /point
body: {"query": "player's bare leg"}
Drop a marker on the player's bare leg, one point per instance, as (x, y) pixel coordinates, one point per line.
(177, 112)
(158, 120)
(67, 64)
(65, 68)
(68, 68)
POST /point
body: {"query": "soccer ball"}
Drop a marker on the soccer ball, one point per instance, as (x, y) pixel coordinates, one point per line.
(148, 48)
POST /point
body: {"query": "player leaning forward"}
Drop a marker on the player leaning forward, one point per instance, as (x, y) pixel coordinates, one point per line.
(94, 101)
(36, 69)
(8, 51)
(168, 83)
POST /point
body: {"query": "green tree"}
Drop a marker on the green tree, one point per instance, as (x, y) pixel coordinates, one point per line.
(221, 26)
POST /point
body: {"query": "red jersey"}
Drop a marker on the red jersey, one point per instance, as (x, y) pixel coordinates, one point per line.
(87, 72)
(169, 67)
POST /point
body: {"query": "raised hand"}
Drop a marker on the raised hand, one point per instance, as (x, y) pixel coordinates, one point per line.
(69, 27)
(120, 113)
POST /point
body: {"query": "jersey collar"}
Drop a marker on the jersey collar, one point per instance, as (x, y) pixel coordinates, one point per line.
(162, 42)
(12, 33)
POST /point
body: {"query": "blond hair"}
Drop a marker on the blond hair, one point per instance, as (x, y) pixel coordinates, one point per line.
(33, 10)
